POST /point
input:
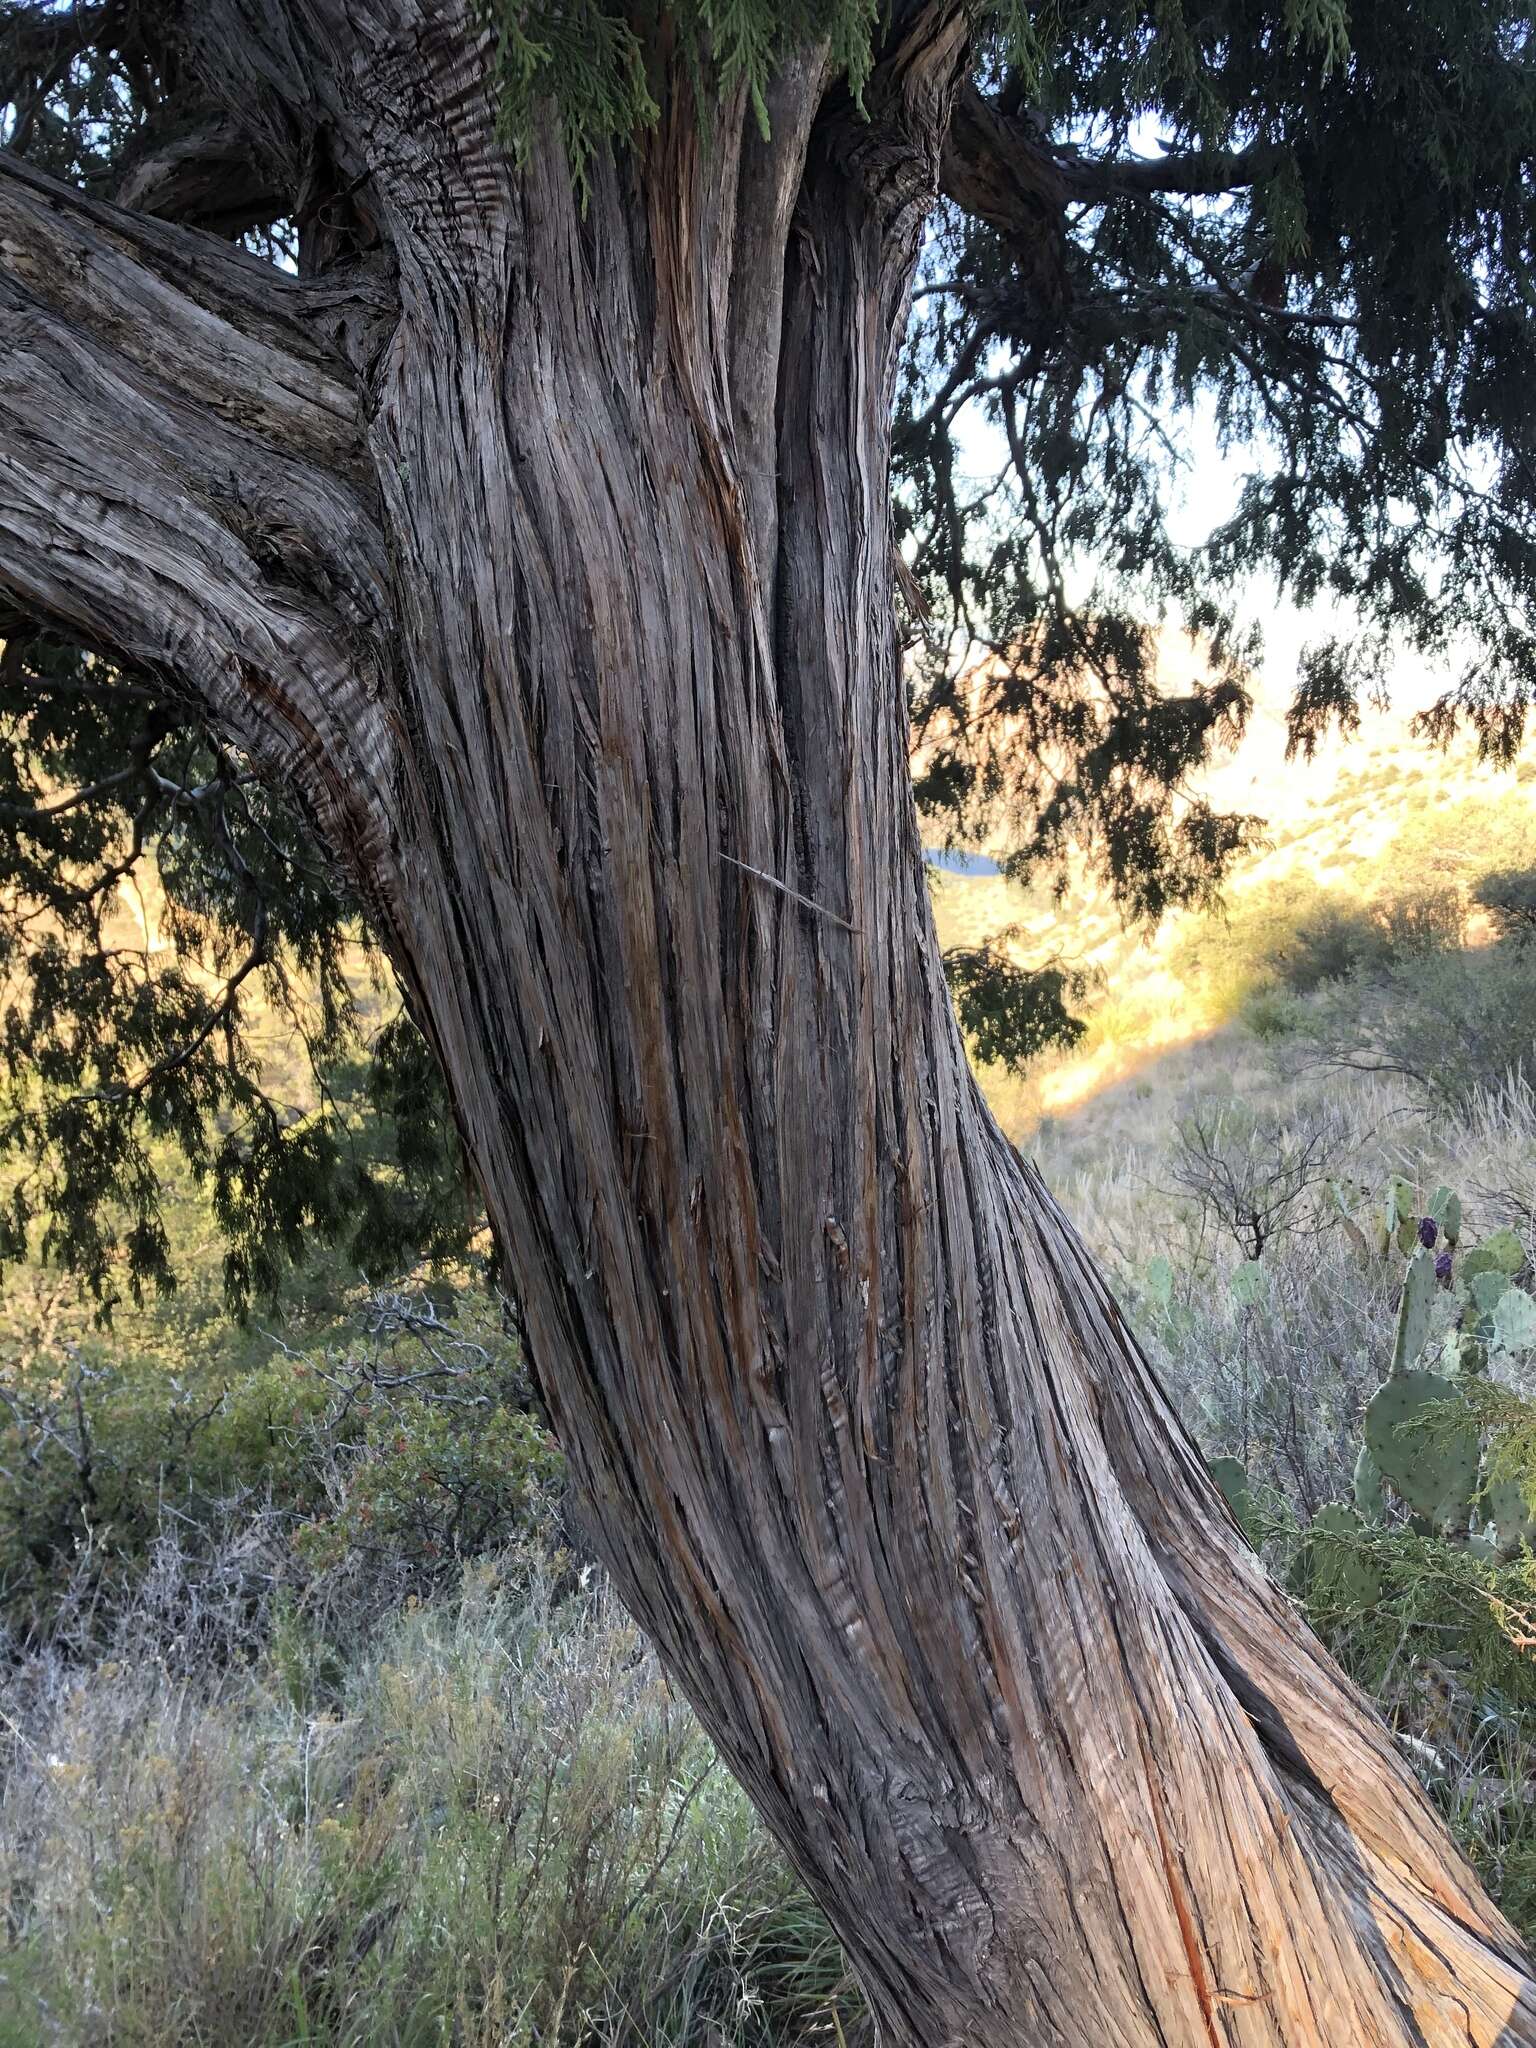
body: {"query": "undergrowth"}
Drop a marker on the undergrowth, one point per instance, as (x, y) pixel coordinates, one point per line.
(496, 1825)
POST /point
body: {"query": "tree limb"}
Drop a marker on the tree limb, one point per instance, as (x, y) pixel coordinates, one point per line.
(1200, 173)
(182, 474)
(257, 348)
(995, 170)
(1001, 170)
(206, 175)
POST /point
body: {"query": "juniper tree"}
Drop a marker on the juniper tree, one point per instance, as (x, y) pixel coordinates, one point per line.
(454, 465)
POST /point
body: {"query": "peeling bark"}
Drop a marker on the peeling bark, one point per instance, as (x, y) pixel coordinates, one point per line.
(578, 639)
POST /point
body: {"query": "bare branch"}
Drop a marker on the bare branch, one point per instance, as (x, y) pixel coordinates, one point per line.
(1199, 173)
(38, 47)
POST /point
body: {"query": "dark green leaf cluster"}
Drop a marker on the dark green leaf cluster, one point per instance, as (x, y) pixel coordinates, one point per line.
(1508, 895)
(1012, 1014)
(1309, 229)
(381, 1448)
(182, 971)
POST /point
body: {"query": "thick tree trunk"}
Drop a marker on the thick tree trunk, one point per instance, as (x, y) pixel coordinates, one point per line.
(862, 1436)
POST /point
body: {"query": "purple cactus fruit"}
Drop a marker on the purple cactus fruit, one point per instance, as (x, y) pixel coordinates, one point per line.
(1429, 1230)
(1443, 1269)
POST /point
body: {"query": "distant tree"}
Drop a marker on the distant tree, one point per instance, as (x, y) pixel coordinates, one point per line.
(1509, 897)
(529, 546)
(1452, 1025)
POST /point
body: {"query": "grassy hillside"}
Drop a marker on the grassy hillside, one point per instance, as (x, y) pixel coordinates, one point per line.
(1367, 817)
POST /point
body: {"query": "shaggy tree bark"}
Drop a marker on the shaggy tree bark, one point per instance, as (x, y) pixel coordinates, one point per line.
(547, 551)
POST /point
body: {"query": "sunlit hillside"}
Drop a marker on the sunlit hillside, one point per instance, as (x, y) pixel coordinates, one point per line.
(1367, 815)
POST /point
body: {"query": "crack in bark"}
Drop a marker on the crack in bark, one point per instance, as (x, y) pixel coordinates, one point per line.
(1193, 1950)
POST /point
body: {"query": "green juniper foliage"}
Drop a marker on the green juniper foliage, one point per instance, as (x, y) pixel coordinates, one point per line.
(160, 905)
(1348, 299)
(1308, 223)
(601, 66)
(1009, 1013)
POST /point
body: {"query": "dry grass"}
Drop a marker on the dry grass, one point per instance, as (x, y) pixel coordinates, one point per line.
(497, 1827)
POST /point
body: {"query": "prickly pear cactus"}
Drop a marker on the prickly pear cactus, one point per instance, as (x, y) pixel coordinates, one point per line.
(1501, 1253)
(1159, 1281)
(1401, 1218)
(1231, 1475)
(1464, 1353)
(1339, 1572)
(1436, 1475)
(1370, 1501)
(1510, 1519)
(1344, 1201)
(1496, 1313)
(1514, 1321)
(1413, 1311)
(1444, 1210)
(1248, 1282)
(1483, 1291)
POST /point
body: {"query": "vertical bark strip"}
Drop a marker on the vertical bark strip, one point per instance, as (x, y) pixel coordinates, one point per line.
(862, 1435)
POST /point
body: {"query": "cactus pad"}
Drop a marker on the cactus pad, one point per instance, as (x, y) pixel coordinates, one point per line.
(1510, 1517)
(1369, 1499)
(1401, 1213)
(1435, 1474)
(1501, 1253)
(1160, 1280)
(1339, 1568)
(1231, 1476)
(1445, 1208)
(1413, 1311)
(1486, 1291)
(1514, 1321)
(1248, 1282)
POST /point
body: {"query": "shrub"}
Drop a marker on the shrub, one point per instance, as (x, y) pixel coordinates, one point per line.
(383, 1461)
(100, 1453)
(426, 1449)
(1228, 955)
(1271, 1013)
(1509, 897)
(1450, 1024)
(1256, 1174)
(1334, 940)
(1278, 1374)
(1429, 919)
(503, 1830)
(1295, 937)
